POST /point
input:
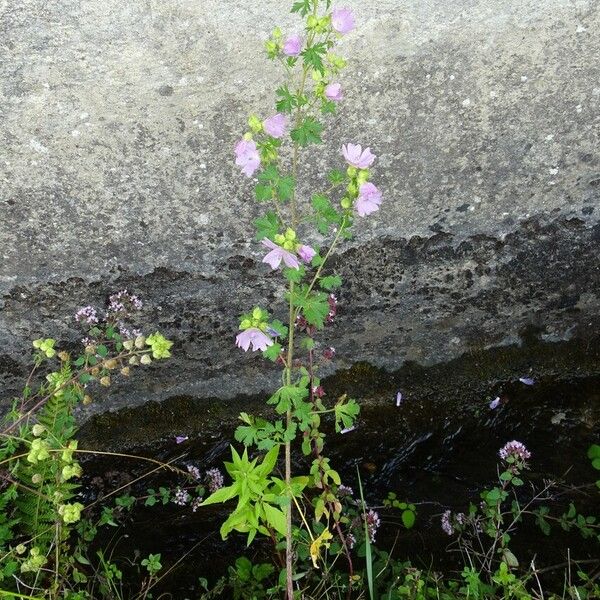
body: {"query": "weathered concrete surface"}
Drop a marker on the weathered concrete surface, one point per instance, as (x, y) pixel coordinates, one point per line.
(117, 121)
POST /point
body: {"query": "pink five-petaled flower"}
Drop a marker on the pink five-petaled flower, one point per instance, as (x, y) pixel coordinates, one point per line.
(342, 20)
(369, 199)
(292, 46)
(278, 254)
(357, 157)
(247, 157)
(276, 125)
(253, 337)
(334, 92)
(306, 253)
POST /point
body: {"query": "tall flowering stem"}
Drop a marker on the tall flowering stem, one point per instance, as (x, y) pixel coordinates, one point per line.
(293, 231)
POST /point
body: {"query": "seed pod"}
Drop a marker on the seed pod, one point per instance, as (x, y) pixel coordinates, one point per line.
(125, 371)
(140, 342)
(134, 360)
(90, 349)
(146, 360)
(64, 356)
(111, 363)
(105, 381)
(87, 399)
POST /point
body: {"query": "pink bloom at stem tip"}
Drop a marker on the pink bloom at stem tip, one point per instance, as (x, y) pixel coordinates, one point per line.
(247, 157)
(334, 92)
(369, 199)
(357, 157)
(342, 20)
(306, 253)
(253, 337)
(276, 125)
(278, 254)
(292, 45)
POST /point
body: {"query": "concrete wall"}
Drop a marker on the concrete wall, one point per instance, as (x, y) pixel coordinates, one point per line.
(117, 122)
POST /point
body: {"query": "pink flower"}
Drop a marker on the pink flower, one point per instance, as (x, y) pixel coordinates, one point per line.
(342, 20)
(247, 157)
(334, 92)
(275, 126)
(306, 253)
(356, 157)
(253, 337)
(292, 46)
(278, 254)
(369, 199)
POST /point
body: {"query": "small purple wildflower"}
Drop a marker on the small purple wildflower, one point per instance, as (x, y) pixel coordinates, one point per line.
(122, 303)
(344, 491)
(87, 314)
(292, 45)
(515, 450)
(278, 254)
(527, 380)
(276, 125)
(306, 253)
(334, 92)
(495, 403)
(373, 522)
(179, 439)
(357, 157)
(446, 525)
(247, 157)
(350, 541)
(398, 398)
(194, 472)
(196, 502)
(369, 199)
(181, 497)
(214, 480)
(253, 337)
(461, 518)
(342, 20)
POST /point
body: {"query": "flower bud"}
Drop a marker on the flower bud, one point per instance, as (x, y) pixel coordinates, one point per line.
(255, 124)
(21, 549)
(38, 429)
(279, 239)
(64, 356)
(245, 324)
(95, 371)
(351, 171)
(146, 360)
(37, 343)
(257, 314)
(247, 137)
(87, 399)
(312, 22)
(290, 234)
(105, 381)
(125, 371)
(111, 363)
(352, 189)
(134, 360)
(346, 203)
(37, 478)
(140, 341)
(90, 349)
(363, 176)
(128, 344)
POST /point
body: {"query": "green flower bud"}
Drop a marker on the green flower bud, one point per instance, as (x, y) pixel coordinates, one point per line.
(70, 513)
(38, 451)
(352, 171)
(247, 137)
(279, 239)
(38, 429)
(255, 124)
(289, 245)
(352, 189)
(312, 22)
(67, 453)
(21, 549)
(346, 203)
(290, 234)
(245, 324)
(70, 471)
(257, 314)
(277, 34)
(363, 176)
(160, 345)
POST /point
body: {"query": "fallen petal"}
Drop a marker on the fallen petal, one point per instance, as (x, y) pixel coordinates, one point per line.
(398, 398)
(527, 380)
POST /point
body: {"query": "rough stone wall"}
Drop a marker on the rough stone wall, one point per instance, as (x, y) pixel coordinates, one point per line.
(117, 122)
